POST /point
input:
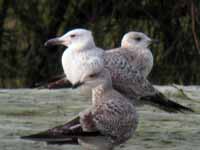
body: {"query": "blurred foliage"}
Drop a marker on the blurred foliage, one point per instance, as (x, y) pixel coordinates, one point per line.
(26, 25)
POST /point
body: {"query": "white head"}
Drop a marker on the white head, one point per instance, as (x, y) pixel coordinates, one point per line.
(76, 39)
(136, 39)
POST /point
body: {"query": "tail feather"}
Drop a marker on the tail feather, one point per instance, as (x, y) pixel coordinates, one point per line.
(54, 83)
(58, 132)
(72, 141)
(51, 136)
(159, 100)
(67, 133)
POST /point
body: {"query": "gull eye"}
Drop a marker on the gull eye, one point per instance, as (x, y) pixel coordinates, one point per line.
(92, 75)
(72, 35)
(138, 38)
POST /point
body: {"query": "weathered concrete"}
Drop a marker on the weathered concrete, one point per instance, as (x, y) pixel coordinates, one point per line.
(27, 111)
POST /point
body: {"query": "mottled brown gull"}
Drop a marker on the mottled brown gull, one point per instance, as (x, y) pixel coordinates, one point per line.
(129, 80)
(135, 47)
(109, 122)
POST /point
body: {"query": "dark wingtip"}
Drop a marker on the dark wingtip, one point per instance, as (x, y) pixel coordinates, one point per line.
(36, 137)
(166, 104)
(73, 141)
(52, 133)
(55, 82)
(175, 107)
(51, 141)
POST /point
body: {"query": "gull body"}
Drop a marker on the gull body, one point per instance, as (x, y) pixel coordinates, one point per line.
(109, 122)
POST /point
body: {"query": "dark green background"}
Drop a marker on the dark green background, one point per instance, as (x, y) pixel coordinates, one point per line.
(26, 24)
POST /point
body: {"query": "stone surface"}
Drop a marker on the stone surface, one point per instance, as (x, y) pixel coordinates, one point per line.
(26, 111)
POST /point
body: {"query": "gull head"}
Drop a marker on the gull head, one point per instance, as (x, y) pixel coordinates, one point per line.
(76, 39)
(136, 39)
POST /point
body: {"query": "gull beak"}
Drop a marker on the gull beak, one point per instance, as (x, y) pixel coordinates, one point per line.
(54, 41)
(58, 41)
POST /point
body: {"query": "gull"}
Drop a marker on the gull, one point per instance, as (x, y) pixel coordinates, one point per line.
(81, 56)
(135, 47)
(127, 78)
(109, 122)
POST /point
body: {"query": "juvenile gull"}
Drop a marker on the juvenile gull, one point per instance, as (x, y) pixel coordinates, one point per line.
(134, 46)
(109, 122)
(128, 79)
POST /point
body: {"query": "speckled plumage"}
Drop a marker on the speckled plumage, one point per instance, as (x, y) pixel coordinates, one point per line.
(126, 78)
(113, 115)
(131, 83)
(129, 80)
(109, 122)
(141, 61)
(135, 47)
(127, 70)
